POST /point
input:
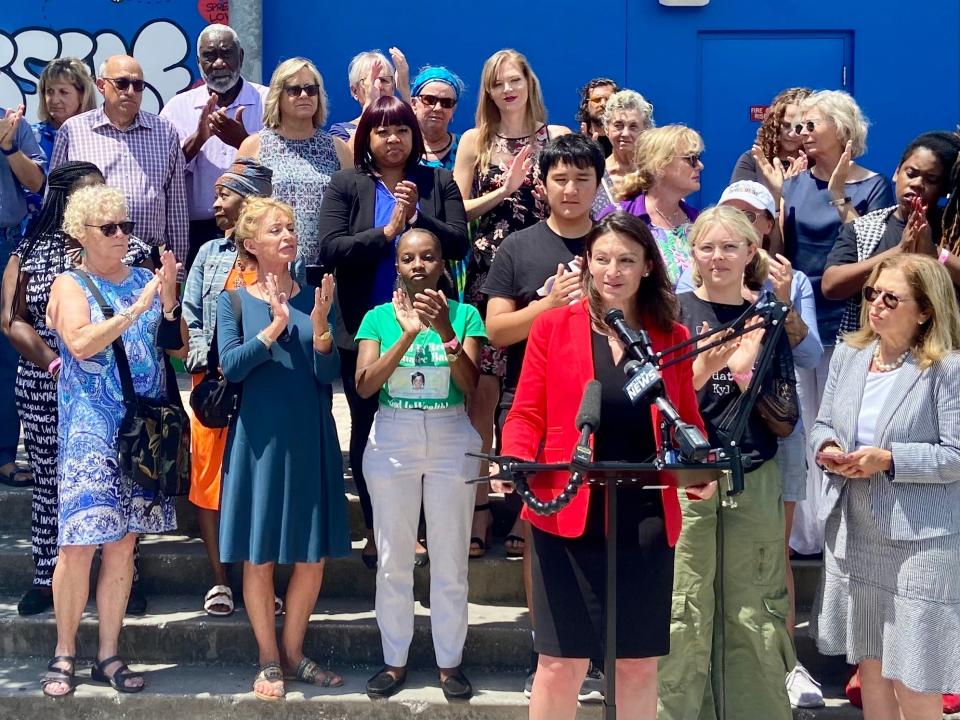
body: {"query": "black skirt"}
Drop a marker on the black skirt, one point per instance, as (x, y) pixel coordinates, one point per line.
(569, 582)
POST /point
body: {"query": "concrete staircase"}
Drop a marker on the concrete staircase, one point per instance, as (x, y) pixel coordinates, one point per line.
(200, 667)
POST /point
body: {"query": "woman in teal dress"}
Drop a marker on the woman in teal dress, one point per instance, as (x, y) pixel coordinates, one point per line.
(283, 496)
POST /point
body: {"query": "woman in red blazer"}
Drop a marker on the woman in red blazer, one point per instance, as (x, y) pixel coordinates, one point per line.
(567, 348)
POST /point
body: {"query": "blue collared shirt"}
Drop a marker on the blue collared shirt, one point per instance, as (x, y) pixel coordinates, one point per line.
(13, 196)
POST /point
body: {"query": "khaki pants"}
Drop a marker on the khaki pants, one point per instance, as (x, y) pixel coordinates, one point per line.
(729, 647)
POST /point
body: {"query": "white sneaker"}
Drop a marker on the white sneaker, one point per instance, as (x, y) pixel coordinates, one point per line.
(803, 690)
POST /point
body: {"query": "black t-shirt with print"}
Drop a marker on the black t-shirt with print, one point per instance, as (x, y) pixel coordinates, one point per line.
(522, 265)
(721, 390)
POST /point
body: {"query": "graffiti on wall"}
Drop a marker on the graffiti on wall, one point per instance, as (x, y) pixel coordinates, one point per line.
(161, 47)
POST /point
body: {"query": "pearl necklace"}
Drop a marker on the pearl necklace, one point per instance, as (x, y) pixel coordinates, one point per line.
(884, 367)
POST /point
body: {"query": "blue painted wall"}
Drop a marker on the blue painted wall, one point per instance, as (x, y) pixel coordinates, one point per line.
(906, 83)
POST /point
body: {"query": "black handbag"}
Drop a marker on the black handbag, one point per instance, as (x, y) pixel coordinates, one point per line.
(153, 441)
(215, 401)
(778, 403)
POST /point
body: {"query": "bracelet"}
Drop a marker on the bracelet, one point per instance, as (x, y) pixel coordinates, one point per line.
(54, 367)
(11, 151)
(944, 256)
(324, 336)
(742, 377)
(841, 202)
(451, 345)
(452, 357)
(267, 342)
(128, 314)
(173, 314)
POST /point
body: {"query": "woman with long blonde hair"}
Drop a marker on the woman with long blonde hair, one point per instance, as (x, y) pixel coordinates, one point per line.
(497, 172)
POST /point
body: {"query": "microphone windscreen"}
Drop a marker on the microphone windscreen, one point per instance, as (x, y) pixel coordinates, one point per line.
(612, 316)
(589, 413)
(631, 367)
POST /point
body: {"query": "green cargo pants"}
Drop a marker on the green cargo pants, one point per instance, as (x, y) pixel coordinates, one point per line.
(729, 647)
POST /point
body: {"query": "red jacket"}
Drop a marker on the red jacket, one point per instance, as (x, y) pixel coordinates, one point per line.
(541, 424)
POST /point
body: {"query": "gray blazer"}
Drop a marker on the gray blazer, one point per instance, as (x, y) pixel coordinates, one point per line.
(919, 424)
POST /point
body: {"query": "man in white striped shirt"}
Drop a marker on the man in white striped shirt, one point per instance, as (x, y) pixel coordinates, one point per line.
(138, 153)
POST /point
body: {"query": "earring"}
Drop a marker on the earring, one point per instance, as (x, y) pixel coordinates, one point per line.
(647, 274)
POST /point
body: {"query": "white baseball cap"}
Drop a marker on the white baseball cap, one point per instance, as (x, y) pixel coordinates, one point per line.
(752, 193)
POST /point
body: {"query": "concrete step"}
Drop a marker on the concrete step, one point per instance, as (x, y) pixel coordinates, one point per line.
(178, 565)
(189, 692)
(342, 632)
(175, 564)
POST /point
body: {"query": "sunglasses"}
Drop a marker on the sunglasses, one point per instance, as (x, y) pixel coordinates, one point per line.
(889, 299)
(693, 159)
(751, 216)
(810, 125)
(123, 84)
(110, 229)
(433, 100)
(294, 91)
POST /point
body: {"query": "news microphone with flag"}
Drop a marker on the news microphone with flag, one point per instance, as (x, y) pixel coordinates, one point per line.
(644, 381)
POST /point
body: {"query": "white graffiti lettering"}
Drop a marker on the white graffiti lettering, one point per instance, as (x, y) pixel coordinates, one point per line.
(160, 46)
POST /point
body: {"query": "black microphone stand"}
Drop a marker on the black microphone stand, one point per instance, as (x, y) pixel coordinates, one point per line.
(661, 471)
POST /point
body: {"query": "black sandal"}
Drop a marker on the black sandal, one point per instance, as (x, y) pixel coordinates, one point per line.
(11, 478)
(59, 675)
(118, 680)
(478, 545)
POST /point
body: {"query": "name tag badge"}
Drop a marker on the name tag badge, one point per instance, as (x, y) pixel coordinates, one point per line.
(422, 382)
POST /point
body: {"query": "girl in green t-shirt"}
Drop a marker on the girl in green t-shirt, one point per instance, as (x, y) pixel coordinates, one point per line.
(419, 352)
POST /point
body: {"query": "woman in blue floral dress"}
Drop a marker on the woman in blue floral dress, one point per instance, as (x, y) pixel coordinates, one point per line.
(98, 505)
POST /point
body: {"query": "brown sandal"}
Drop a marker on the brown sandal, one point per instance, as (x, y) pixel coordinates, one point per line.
(59, 675)
(310, 672)
(269, 673)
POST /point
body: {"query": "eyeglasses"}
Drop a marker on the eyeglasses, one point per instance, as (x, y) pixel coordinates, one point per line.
(123, 84)
(810, 125)
(433, 101)
(751, 216)
(727, 250)
(110, 229)
(294, 91)
(692, 159)
(889, 299)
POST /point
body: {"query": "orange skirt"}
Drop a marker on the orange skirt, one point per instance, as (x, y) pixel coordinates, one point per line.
(206, 461)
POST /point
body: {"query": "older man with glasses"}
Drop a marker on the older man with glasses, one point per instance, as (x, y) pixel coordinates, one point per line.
(137, 151)
(212, 120)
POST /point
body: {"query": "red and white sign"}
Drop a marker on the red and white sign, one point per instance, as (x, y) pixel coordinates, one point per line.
(758, 112)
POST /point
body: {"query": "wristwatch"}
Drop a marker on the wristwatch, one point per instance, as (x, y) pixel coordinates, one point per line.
(174, 314)
(841, 202)
(324, 336)
(11, 151)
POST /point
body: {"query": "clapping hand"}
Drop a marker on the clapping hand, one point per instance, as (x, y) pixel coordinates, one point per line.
(917, 237)
(431, 306)
(375, 89)
(565, 289)
(407, 316)
(403, 72)
(838, 179)
(231, 131)
(203, 123)
(322, 302)
(406, 193)
(520, 166)
(774, 173)
(279, 310)
(781, 276)
(8, 127)
(716, 357)
(167, 274)
(742, 359)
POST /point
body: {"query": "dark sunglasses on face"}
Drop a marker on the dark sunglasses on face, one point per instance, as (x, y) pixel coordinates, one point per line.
(293, 91)
(692, 159)
(110, 229)
(123, 84)
(751, 216)
(432, 100)
(888, 298)
(810, 125)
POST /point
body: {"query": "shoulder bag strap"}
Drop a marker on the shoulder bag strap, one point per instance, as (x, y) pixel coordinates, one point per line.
(213, 354)
(123, 365)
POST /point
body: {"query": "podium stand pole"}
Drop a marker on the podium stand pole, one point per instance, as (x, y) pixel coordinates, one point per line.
(610, 612)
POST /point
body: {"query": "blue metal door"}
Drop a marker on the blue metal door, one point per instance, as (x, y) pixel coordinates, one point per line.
(740, 71)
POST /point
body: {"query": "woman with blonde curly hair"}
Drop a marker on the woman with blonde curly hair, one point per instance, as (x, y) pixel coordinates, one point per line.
(497, 173)
(294, 145)
(668, 168)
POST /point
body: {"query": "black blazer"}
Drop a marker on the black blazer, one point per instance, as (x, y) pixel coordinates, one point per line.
(354, 248)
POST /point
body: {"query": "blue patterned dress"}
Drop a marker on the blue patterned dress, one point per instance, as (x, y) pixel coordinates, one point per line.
(97, 504)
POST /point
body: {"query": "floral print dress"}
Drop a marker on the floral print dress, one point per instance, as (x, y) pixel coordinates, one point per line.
(523, 208)
(98, 504)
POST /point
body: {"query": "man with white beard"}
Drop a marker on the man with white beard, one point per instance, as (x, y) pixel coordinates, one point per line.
(212, 120)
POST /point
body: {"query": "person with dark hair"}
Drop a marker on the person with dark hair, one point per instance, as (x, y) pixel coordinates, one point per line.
(535, 270)
(365, 209)
(28, 277)
(593, 103)
(913, 225)
(567, 347)
(415, 455)
(221, 264)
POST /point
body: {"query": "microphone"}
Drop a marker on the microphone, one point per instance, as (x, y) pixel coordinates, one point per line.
(644, 381)
(588, 420)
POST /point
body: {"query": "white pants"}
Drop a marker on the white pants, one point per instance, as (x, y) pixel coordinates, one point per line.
(807, 534)
(414, 456)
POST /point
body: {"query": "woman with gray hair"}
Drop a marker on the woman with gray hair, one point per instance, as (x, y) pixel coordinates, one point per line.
(627, 115)
(371, 75)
